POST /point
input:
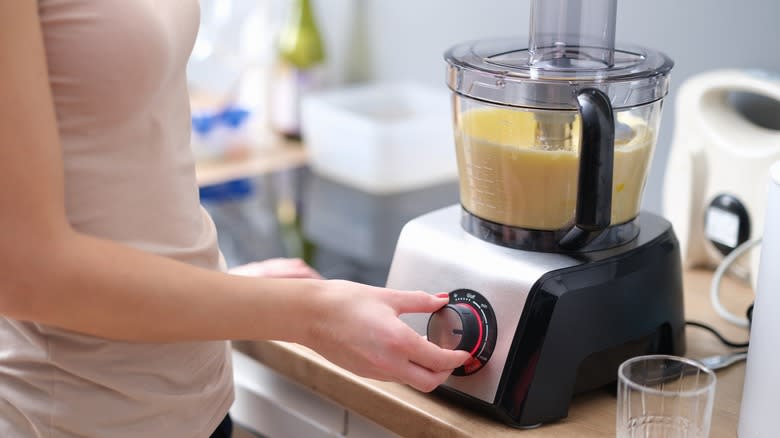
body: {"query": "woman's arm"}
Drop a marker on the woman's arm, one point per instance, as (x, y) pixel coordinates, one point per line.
(51, 274)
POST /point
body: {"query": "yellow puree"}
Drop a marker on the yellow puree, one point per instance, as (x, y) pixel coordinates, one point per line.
(507, 178)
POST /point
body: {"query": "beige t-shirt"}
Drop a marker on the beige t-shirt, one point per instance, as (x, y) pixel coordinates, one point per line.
(117, 72)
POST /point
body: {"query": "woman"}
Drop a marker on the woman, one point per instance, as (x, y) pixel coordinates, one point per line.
(114, 309)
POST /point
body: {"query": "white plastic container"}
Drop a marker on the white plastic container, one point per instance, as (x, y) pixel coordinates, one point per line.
(381, 138)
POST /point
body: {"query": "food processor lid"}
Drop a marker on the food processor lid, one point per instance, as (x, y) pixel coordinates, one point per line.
(570, 47)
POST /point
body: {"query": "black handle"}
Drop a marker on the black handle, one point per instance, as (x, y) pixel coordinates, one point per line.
(597, 151)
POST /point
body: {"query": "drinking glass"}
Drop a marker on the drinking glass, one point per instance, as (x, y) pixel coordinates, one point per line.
(663, 396)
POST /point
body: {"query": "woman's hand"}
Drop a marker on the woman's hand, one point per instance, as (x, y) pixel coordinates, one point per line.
(357, 327)
(277, 268)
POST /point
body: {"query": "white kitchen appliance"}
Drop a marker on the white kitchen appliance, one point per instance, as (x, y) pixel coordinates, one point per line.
(727, 134)
(757, 418)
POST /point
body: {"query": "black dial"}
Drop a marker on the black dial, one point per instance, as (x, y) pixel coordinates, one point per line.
(456, 327)
(466, 323)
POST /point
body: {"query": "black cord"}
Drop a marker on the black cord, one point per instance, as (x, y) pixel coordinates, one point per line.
(718, 335)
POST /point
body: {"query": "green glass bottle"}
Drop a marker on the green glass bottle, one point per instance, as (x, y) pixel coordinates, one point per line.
(298, 69)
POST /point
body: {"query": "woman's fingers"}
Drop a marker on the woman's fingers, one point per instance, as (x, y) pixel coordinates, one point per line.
(420, 351)
(361, 331)
(416, 301)
(422, 378)
(433, 357)
(418, 363)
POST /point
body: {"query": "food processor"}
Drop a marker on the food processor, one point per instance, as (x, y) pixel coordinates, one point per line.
(555, 277)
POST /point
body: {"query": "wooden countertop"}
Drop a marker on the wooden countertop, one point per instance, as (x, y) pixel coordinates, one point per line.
(410, 413)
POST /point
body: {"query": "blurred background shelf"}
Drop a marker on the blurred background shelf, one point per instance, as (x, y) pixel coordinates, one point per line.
(270, 156)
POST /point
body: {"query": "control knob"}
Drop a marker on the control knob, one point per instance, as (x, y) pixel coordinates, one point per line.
(466, 323)
(456, 327)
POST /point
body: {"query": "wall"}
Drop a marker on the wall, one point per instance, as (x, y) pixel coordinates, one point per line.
(404, 39)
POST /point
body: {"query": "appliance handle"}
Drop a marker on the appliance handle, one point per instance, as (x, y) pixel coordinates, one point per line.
(594, 185)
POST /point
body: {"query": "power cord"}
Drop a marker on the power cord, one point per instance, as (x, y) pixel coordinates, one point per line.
(718, 276)
(715, 297)
(717, 334)
(720, 337)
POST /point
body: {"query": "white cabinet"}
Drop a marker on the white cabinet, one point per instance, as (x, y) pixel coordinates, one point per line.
(274, 406)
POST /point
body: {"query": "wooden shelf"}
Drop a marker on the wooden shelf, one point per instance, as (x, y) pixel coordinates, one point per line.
(271, 154)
